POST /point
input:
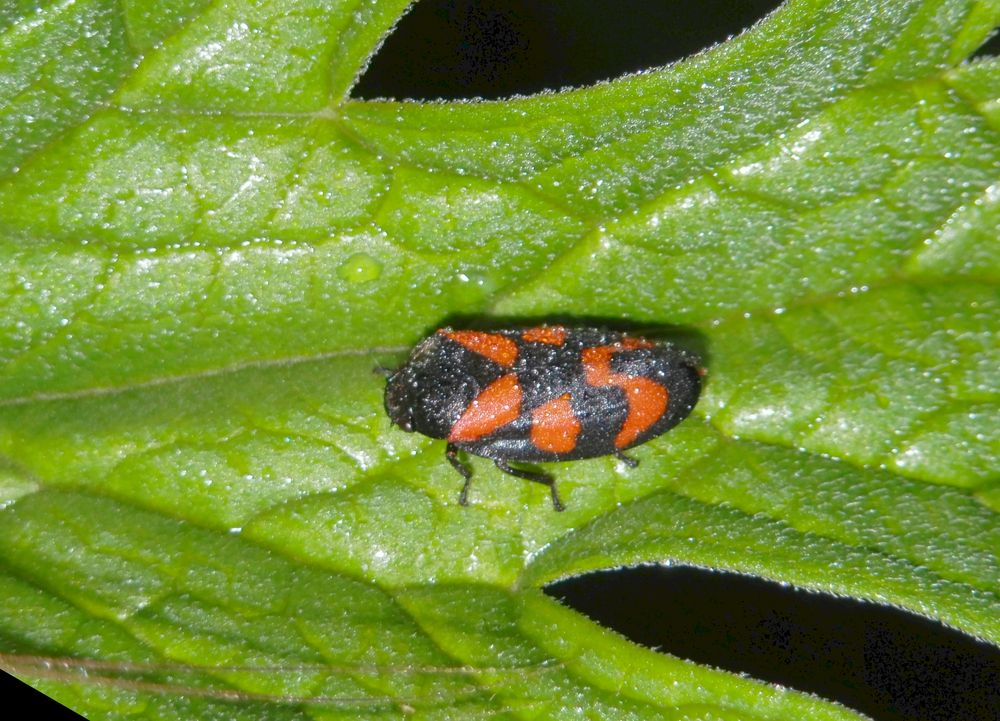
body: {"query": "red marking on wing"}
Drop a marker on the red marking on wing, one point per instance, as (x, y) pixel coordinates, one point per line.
(631, 343)
(497, 348)
(497, 404)
(647, 400)
(548, 334)
(554, 426)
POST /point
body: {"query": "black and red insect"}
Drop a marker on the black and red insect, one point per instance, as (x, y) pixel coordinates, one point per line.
(540, 394)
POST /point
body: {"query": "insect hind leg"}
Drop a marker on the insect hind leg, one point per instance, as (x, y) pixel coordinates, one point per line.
(543, 478)
(630, 462)
(451, 453)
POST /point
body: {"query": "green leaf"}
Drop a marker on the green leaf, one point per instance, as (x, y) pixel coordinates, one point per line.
(208, 246)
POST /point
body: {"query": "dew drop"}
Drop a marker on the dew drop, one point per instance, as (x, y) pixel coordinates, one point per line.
(360, 268)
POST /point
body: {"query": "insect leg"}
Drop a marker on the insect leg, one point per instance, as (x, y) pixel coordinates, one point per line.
(542, 478)
(630, 462)
(451, 453)
(381, 370)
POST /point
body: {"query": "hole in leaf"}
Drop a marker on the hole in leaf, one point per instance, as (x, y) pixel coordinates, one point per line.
(887, 663)
(453, 49)
(989, 49)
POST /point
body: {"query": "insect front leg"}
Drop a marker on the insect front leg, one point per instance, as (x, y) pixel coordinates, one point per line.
(451, 453)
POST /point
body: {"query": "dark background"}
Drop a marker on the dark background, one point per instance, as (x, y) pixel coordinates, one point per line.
(455, 49)
(891, 665)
